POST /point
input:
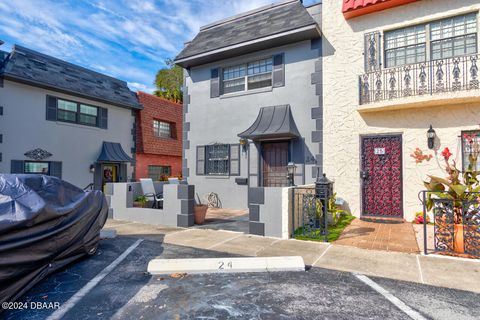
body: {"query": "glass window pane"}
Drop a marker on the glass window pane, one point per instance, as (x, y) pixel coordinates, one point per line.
(88, 110)
(36, 167)
(64, 115)
(67, 105)
(217, 159)
(471, 150)
(459, 46)
(471, 44)
(162, 129)
(436, 50)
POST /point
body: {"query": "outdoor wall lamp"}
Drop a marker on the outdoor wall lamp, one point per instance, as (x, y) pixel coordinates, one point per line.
(243, 143)
(431, 138)
(291, 167)
(92, 168)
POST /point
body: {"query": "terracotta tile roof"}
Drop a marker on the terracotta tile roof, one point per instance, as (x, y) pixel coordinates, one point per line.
(355, 8)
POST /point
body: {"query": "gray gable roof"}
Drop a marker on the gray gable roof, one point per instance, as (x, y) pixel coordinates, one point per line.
(37, 69)
(268, 21)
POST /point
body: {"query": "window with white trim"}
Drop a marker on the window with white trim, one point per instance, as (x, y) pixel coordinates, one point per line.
(447, 38)
(405, 46)
(252, 75)
(70, 111)
(454, 37)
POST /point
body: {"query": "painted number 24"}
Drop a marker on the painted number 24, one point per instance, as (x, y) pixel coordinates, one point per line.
(223, 266)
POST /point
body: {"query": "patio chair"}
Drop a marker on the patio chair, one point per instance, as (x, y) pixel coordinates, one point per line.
(173, 181)
(148, 190)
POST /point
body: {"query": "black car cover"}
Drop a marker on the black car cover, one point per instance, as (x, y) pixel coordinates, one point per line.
(45, 224)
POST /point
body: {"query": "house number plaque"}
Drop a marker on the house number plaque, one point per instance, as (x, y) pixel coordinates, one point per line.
(379, 151)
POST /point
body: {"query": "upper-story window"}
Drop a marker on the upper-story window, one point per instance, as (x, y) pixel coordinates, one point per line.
(162, 129)
(446, 38)
(405, 46)
(455, 36)
(248, 76)
(88, 115)
(70, 111)
(67, 111)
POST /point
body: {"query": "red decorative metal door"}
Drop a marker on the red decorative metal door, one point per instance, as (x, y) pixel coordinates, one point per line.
(382, 176)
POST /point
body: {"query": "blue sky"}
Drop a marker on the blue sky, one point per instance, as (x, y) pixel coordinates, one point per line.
(127, 39)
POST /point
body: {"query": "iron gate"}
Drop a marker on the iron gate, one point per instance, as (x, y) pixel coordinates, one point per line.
(307, 214)
(448, 215)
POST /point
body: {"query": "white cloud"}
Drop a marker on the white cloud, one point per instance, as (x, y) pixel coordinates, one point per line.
(127, 39)
(135, 86)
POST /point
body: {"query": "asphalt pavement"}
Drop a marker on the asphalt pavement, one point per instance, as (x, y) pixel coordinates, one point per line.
(128, 292)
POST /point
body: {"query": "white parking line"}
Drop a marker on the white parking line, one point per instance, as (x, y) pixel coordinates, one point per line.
(323, 253)
(420, 270)
(390, 297)
(59, 313)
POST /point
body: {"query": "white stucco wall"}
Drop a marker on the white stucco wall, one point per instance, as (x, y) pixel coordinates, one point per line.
(219, 120)
(24, 127)
(343, 62)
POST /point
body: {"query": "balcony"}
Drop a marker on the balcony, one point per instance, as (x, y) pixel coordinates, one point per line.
(439, 82)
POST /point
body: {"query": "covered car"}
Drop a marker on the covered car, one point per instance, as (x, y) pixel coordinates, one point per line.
(45, 224)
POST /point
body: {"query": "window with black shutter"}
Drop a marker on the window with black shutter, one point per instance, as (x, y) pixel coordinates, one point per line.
(75, 112)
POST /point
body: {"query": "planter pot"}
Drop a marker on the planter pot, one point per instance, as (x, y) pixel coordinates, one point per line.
(200, 213)
(458, 241)
(137, 204)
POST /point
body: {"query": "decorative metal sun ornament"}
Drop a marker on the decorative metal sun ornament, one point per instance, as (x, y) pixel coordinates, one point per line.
(38, 154)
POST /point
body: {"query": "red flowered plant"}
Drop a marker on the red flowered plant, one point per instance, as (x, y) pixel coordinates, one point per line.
(455, 186)
(419, 218)
(446, 154)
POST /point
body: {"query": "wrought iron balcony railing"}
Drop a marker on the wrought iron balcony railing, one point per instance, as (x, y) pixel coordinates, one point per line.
(420, 79)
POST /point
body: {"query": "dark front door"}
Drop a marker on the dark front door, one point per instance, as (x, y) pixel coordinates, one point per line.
(275, 160)
(382, 176)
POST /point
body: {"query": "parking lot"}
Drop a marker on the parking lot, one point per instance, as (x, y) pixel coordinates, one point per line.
(128, 292)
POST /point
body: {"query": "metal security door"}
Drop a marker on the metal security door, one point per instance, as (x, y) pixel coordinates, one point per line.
(381, 176)
(275, 160)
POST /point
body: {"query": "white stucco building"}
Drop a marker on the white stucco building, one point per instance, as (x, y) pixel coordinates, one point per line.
(390, 70)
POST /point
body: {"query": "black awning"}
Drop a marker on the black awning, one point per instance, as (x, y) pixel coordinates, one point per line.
(274, 122)
(113, 152)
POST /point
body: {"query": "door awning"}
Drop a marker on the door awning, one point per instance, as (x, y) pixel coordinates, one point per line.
(113, 152)
(275, 122)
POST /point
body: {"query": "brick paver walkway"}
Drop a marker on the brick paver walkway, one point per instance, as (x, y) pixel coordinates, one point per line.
(380, 236)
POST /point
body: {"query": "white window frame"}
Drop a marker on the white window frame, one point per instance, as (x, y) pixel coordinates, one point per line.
(429, 42)
(245, 77)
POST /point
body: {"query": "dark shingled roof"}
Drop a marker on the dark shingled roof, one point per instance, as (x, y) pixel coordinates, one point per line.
(269, 21)
(37, 69)
(272, 122)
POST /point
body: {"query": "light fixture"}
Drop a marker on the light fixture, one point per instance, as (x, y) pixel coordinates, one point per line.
(291, 167)
(92, 168)
(243, 143)
(431, 138)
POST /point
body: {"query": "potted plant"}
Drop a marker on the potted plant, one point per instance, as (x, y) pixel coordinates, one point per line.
(457, 187)
(200, 212)
(140, 202)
